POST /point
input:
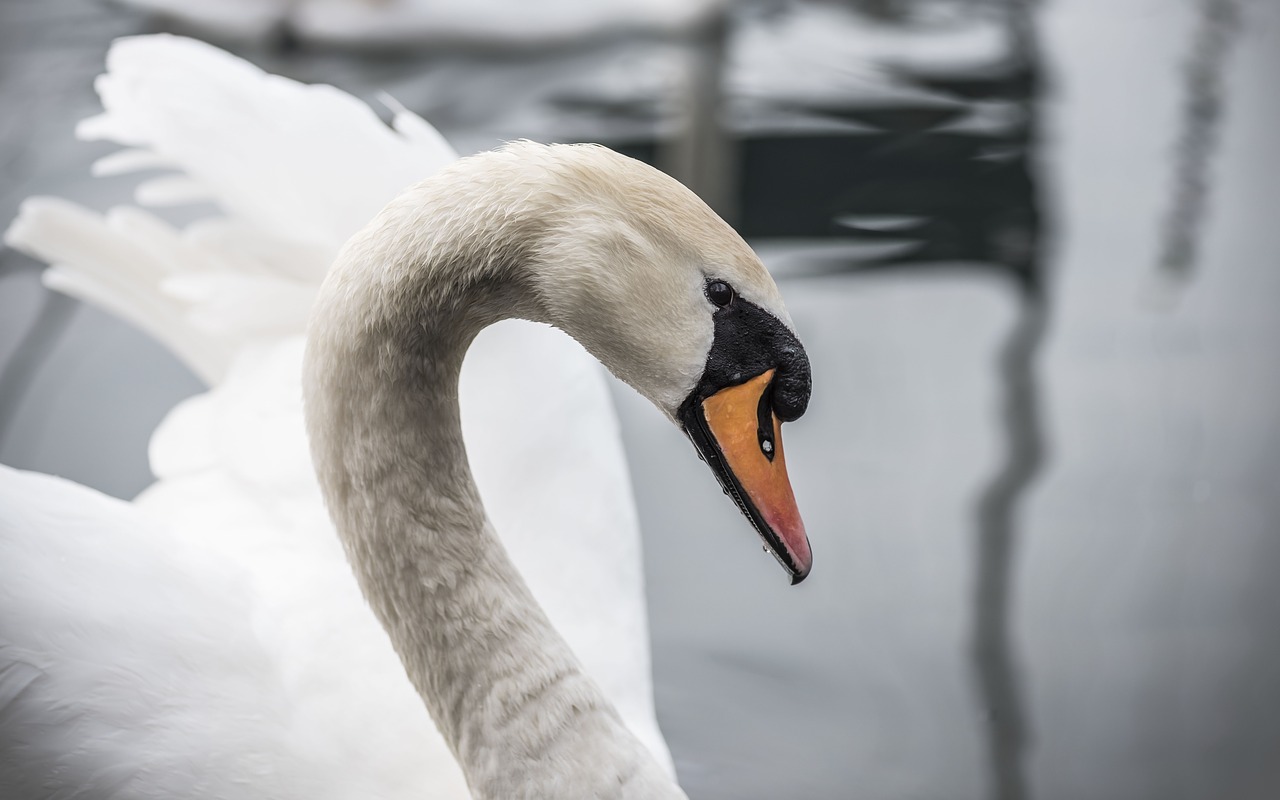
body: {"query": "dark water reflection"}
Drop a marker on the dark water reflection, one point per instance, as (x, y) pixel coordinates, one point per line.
(1219, 24)
(1001, 698)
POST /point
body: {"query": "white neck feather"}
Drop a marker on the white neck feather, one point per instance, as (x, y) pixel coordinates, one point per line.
(388, 336)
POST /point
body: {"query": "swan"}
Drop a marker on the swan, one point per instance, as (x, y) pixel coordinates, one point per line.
(656, 286)
(294, 171)
(612, 252)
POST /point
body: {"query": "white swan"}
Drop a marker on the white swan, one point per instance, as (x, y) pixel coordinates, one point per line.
(294, 170)
(629, 263)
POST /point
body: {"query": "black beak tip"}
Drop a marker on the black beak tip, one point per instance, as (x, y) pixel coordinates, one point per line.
(798, 575)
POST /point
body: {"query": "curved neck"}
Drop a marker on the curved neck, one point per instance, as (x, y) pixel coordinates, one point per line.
(389, 332)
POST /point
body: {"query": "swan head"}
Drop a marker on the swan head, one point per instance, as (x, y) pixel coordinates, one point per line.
(671, 300)
(616, 254)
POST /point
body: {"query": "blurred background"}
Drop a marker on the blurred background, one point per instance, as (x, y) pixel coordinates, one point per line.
(1032, 250)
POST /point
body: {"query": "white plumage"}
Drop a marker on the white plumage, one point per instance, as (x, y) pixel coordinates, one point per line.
(209, 640)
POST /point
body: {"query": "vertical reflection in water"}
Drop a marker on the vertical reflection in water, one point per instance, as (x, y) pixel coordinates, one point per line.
(999, 687)
(1202, 116)
(703, 154)
(998, 684)
(16, 376)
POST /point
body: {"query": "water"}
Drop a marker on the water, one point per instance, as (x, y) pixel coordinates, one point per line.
(1034, 267)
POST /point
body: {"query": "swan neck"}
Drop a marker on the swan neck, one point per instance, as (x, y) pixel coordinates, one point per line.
(388, 336)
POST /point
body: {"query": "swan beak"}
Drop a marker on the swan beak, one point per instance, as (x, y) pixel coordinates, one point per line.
(742, 442)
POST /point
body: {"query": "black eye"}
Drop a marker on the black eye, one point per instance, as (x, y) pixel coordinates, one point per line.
(720, 293)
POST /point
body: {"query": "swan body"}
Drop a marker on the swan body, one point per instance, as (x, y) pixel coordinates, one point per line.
(294, 170)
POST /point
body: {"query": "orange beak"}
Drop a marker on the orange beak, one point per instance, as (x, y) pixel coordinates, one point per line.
(743, 446)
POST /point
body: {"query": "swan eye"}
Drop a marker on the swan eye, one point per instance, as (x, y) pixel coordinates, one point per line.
(720, 293)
